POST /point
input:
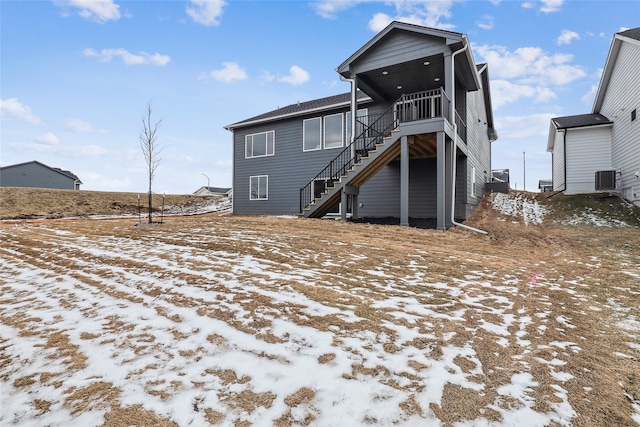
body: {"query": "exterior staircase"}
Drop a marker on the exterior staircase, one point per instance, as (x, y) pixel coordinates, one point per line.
(377, 144)
(375, 147)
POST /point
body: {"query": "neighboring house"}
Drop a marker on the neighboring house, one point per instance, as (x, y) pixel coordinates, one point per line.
(601, 151)
(38, 175)
(417, 123)
(213, 191)
(545, 185)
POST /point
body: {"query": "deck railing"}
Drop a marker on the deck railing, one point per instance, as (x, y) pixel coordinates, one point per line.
(373, 128)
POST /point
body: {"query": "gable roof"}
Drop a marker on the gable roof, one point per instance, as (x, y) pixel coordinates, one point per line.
(451, 36)
(452, 39)
(633, 33)
(580, 120)
(66, 173)
(300, 108)
(628, 36)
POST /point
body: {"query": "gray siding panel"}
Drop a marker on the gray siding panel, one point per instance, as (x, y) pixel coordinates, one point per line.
(398, 47)
(380, 196)
(34, 175)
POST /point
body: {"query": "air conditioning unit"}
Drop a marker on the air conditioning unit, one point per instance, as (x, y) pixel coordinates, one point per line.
(606, 180)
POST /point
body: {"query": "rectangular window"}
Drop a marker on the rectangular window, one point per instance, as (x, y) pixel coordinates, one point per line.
(312, 136)
(259, 187)
(333, 131)
(633, 115)
(260, 144)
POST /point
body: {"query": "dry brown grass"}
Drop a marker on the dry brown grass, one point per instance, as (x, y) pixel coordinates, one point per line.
(581, 268)
(37, 203)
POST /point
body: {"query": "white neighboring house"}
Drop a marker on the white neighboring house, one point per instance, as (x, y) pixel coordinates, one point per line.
(213, 191)
(601, 151)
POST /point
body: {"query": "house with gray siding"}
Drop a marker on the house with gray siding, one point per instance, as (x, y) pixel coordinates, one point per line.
(412, 139)
(38, 175)
(600, 151)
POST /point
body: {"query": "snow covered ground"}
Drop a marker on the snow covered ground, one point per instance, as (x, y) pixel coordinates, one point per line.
(230, 322)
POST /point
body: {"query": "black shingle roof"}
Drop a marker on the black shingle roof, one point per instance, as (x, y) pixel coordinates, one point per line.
(633, 33)
(580, 120)
(301, 107)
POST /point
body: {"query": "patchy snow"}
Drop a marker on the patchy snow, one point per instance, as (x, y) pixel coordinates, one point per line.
(519, 205)
(170, 322)
(593, 217)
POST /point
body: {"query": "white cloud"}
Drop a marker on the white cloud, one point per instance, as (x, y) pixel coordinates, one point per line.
(590, 96)
(142, 58)
(330, 8)
(504, 92)
(48, 138)
(78, 126)
(486, 23)
(93, 10)
(206, 12)
(296, 77)
(379, 22)
(12, 109)
(566, 37)
(551, 5)
(518, 127)
(530, 65)
(230, 71)
(428, 14)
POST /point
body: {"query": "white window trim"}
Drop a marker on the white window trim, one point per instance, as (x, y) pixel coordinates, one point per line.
(246, 142)
(304, 134)
(267, 187)
(324, 129)
(473, 181)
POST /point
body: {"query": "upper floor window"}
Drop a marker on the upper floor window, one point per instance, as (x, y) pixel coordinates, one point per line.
(312, 134)
(260, 144)
(333, 131)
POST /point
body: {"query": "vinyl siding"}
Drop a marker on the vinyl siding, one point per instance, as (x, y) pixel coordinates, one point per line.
(557, 159)
(478, 152)
(289, 169)
(36, 176)
(588, 151)
(622, 97)
(398, 47)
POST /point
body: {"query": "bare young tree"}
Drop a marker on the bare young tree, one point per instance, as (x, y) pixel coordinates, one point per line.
(150, 149)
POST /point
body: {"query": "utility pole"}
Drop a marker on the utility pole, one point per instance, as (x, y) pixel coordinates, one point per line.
(208, 182)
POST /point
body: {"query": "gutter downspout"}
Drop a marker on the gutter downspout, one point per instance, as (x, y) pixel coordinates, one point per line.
(564, 149)
(354, 110)
(454, 153)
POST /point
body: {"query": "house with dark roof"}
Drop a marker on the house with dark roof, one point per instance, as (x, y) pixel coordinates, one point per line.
(600, 151)
(412, 139)
(38, 175)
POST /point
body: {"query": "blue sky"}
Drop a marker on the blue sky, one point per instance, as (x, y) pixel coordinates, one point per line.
(77, 75)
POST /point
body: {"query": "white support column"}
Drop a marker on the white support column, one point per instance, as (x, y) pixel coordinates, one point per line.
(450, 158)
(404, 181)
(441, 183)
(343, 205)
